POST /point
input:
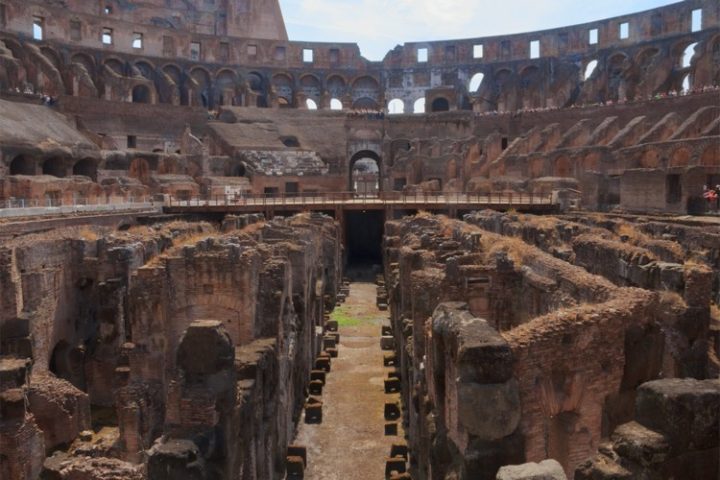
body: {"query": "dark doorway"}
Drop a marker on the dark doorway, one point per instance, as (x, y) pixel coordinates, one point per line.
(440, 104)
(22, 166)
(673, 189)
(363, 241)
(141, 94)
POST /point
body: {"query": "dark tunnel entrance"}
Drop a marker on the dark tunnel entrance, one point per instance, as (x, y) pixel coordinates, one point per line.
(363, 242)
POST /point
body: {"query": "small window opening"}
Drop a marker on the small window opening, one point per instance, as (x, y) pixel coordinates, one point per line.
(38, 28)
(674, 189)
(504, 143)
(624, 30)
(688, 55)
(535, 49)
(477, 51)
(335, 104)
(280, 53)
(419, 105)
(252, 50)
(589, 69)
(224, 52)
(422, 55)
(334, 55)
(311, 105)
(593, 36)
(108, 9)
(131, 141)
(696, 25)
(75, 30)
(307, 55)
(137, 40)
(475, 82)
(396, 107)
(195, 50)
(107, 36)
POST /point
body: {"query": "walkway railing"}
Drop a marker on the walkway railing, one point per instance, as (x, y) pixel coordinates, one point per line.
(388, 199)
(19, 207)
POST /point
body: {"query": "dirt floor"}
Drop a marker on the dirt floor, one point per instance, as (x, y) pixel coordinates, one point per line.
(350, 444)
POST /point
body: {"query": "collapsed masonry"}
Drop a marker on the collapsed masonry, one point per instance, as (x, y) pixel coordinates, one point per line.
(509, 353)
(166, 352)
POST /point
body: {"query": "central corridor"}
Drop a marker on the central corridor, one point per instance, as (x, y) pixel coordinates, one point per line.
(350, 443)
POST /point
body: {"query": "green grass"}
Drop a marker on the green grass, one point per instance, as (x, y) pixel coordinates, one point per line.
(345, 319)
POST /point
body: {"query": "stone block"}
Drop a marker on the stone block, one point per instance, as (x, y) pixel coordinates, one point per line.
(313, 410)
(317, 375)
(333, 352)
(686, 411)
(295, 467)
(392, 411)
(392, 385)
(315, 387)
(322, 363)
(394, 466)
(386, 331)
(545, 470)
(298, 451)
(391, 428)
(329, 342)
(639, 444)
(389, 359)
(331, 326)
(399, 450)
(387, 342)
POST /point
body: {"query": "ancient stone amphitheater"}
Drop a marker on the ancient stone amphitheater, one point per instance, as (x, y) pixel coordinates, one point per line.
(228, 255)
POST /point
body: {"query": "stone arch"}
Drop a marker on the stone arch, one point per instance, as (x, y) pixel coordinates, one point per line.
(85, 60)
(310, 85)
(589, 69)
(53, 56)
(226, 81)
(141, 94)
(336, 85)
(710, 157)
(364, 155)
(563, 167)
(591, 162)
(55, 166)
(419, 105)
(476, 82)
(617, 66)
(144, 69)
(115, 65)
(650, 158)
(86, 167)
(682, 53)
(173, 81)
(283, 85)
(335, 104)
(366, 87)
(530, 79)
(23, 165)
(680, 158)
(396, 107)
(365, 103)
(202, 87)
(440, 104)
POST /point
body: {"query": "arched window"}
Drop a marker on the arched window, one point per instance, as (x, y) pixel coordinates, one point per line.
(396, 106)
(590, 69)
(475, 82)
(686, 83)
(311, 105)
(54, 167)
(336, 104)
(688, 55)
(419, 105)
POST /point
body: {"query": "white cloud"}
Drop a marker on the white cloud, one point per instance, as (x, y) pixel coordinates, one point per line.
(378, 25)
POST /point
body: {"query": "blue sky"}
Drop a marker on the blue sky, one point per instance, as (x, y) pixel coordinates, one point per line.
(378, 25)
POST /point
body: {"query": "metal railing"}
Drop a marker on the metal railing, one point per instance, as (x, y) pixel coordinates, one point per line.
(353, 198)
(20, 207)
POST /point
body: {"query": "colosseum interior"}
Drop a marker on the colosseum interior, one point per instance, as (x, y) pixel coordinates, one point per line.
(228, 255)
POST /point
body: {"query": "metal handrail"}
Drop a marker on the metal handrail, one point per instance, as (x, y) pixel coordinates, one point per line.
(352, 198)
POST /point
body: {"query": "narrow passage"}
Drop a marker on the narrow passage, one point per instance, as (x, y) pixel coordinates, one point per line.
(350, 443)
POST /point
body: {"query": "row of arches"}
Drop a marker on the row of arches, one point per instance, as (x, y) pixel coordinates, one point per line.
(59, 167)
(396, 106)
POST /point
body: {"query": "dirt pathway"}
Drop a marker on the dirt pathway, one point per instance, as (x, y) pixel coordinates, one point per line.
(350, 443)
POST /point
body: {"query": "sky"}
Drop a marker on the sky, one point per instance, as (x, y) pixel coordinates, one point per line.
(379, 25)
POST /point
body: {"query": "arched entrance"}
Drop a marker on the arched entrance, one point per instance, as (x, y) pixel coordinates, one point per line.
(55, 167)
(86, 167)
(140, 94)
(365, 178)
(22, 165)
